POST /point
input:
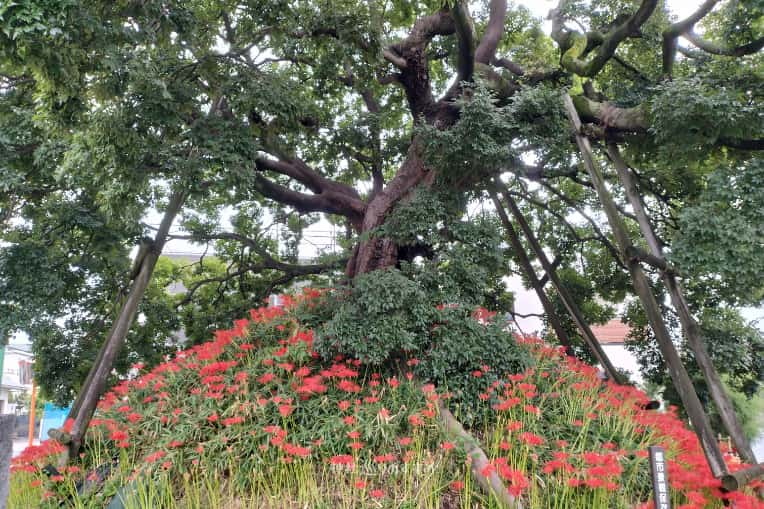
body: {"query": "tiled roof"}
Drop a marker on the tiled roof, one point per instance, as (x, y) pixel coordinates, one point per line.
(612, 333)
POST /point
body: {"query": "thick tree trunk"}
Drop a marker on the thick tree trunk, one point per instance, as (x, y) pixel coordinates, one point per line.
(377, 252)
(99, 373)
(676, 369)
(690, 326)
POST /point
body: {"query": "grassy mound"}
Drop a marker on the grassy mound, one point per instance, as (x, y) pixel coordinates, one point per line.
(255, 419)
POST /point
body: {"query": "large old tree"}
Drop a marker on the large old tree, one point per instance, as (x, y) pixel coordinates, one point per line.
(367, 113)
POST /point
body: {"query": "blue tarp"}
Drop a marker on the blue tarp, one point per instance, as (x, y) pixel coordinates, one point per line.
(52, 417)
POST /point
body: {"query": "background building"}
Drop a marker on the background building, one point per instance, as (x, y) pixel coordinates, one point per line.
(16, 383)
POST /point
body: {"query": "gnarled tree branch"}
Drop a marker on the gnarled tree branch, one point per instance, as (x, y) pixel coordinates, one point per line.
(715, 49)
(410, 56)
(576, 46)
(465, 33)
(674, 31)
(486, 50)
(328, 201)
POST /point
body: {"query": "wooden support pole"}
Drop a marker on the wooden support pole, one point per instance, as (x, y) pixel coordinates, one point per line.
(736, 480)
(32, 405)
(690, 326)
(565, 296)
(75, 408)
(491, 484)
(676, 369)
(525, 264)
(118, 332)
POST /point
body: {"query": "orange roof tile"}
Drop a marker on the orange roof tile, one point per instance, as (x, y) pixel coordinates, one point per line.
(612, 333)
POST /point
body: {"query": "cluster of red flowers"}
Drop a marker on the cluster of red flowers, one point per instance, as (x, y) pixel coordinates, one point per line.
(601, 403)
(252, 383)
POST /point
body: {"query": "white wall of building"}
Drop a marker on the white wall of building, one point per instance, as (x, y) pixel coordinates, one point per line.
(16, 376)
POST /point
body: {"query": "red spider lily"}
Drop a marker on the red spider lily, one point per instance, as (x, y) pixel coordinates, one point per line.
(516, 479)
(457, 485)
(384, 458)
(215, 368)
(507, 404)
(487, 470)
(286, 410)
(230, 421)
(152, 458)
(349, 386)
(338, 370)
(341, 459)
(240, 327)
(405, 441)
(594, 482)
(286, 366)
(118, 435)
(311, 385)
(415, 420)
(531, 438)
(514, 426)
(356, 446)
(557, 464)
(377, 494)
(296, 450)
(447, 446)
